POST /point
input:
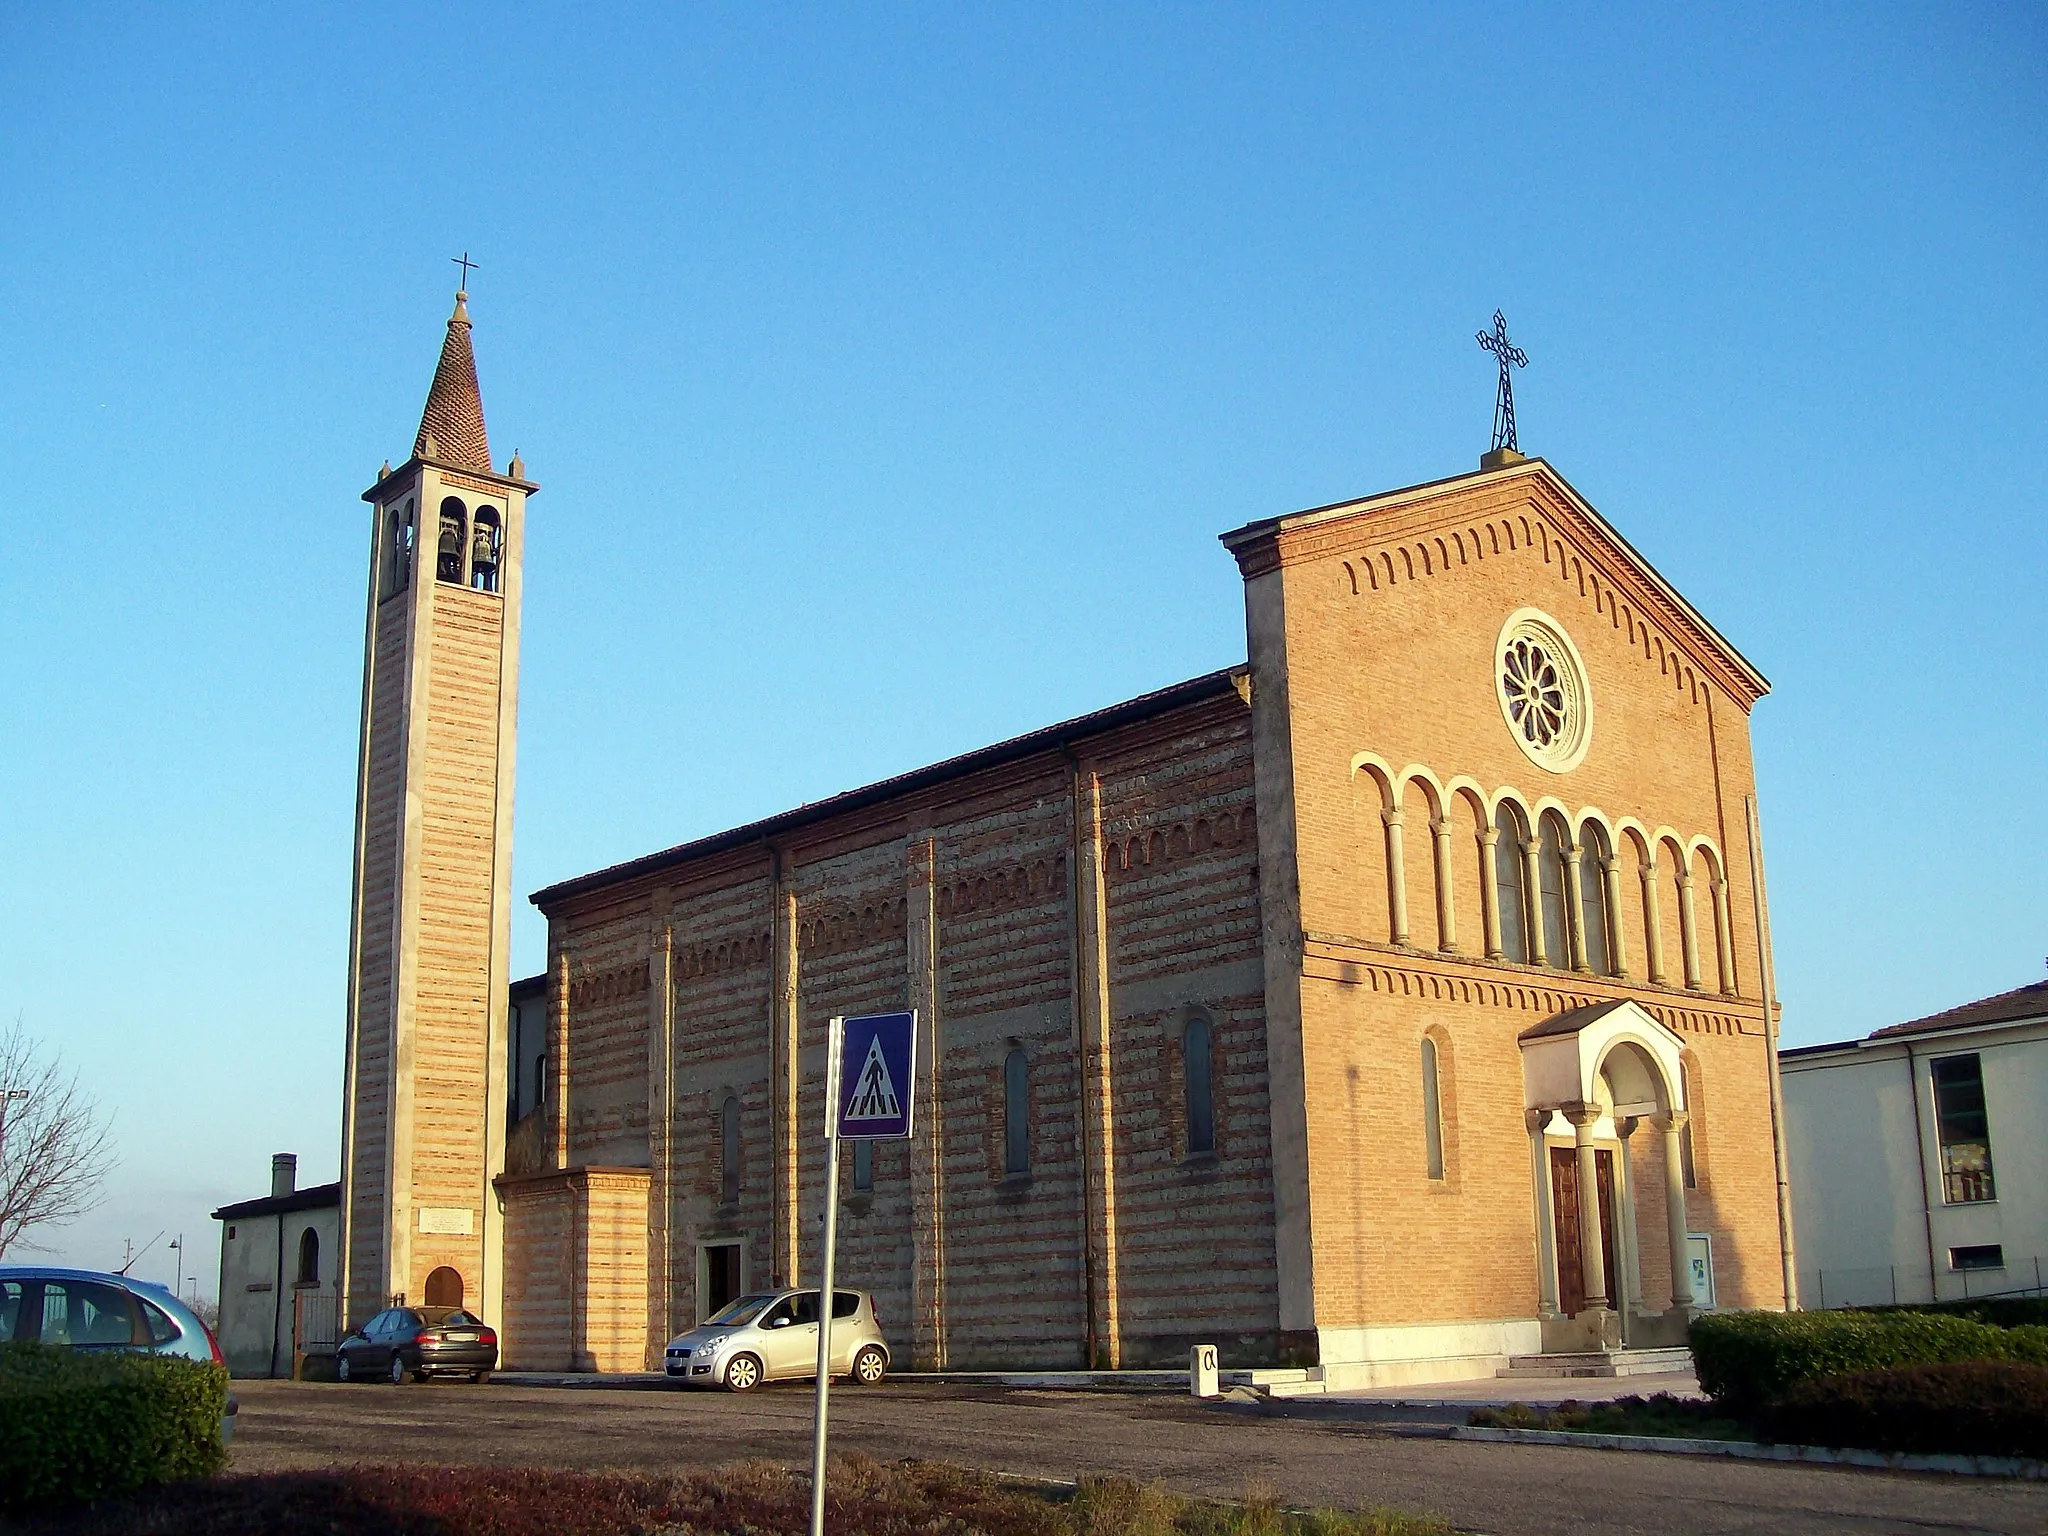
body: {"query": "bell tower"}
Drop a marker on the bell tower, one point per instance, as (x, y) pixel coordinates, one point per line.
(423, 1098)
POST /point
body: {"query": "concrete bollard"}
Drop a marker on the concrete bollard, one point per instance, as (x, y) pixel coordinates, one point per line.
(1202, 1370)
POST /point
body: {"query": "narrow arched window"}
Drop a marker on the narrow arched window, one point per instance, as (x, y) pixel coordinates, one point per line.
(309, 1257)
(1432, 1111)
(1016, 1114)
(1199, 1087)
(397, 549)
(1507, 880)
(729, 1150)
(1593, 862)
(1550, 903)
(540, 1078)
(454, 533)
(484, 546)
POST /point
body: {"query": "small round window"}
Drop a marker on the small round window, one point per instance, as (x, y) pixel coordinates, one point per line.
(1543, 693)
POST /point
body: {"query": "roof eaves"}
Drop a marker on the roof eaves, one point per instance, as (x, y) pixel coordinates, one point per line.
(312, 1197)
(1049, 738)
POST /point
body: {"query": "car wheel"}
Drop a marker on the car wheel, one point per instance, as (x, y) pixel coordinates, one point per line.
(341, 1370)
(743, 1374)
(397, 1369)
(479, 1377)
(870, 1366)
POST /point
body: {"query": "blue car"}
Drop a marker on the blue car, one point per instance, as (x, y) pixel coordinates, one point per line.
(91, 1311)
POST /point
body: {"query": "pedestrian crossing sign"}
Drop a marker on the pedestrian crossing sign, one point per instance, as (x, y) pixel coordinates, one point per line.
(873, 1059)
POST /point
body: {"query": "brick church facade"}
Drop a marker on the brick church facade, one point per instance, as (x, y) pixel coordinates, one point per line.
(1390, 1005)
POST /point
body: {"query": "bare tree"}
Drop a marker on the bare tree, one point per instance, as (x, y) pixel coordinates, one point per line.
(55, 1149)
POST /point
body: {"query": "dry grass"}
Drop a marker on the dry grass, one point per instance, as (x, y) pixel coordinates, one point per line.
(864, 1498)
(1114, 1506)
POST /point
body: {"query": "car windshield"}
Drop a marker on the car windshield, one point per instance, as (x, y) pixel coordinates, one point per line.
(744, 1310)
(451, 1317)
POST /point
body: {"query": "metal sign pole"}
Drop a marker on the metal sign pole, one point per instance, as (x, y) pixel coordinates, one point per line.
(832, 1069)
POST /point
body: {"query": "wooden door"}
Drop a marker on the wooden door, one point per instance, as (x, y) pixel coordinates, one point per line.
(1564, 1194)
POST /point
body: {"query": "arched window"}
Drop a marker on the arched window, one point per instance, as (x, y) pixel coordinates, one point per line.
(1199, 1087)
(863, 1166)
(444, 1288)
(398, 534)
(1688, 1156)
(1507, 881)
(1016, 1113)
(1432, 1111)
(309, 1257)
(1593, 896)
(729, 1150)
(454, 532)
(483, 550)
(1550, 903)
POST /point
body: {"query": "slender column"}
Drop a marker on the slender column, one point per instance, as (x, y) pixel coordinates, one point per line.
(1098, 1121)
(1653, 923)
(1688, 931)
(1724, 930)
(1617, 930)
(1628, 1275)
(1397, 880)
(785, 1244)
(661, 1119)
(558, 1061)
(1575, 906)
(1674, 1208)
(1546, 1213)
(1489, 891)
(1592, 1252)
(928, 1149)
(1532, 901)
(1446, 917)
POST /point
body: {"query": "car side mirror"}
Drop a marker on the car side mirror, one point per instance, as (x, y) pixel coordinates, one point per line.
(780, 1322)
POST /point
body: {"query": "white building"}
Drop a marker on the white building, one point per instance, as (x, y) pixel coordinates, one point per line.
(1919, 1156)
(277, 1272)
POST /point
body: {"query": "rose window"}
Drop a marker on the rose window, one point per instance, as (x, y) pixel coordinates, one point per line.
(1544, 697)
(1535, 692)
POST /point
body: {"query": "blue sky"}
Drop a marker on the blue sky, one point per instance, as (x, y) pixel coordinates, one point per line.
(889, 372)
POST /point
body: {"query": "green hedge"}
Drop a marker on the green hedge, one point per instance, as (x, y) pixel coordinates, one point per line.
(1963, 1407)
(1998, 1311)
(1748, 1359)
(76, 1426)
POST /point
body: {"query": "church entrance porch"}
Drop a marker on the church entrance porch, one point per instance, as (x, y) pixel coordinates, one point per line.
(1594, 1078)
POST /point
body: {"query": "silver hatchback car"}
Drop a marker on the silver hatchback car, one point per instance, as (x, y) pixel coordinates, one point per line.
(773, 1336)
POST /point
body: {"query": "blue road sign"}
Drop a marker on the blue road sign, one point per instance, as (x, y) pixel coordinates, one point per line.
(878, 1055)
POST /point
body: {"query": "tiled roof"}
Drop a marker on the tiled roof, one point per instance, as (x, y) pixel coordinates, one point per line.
(312, 1198)
(2028, 1002)
(455, 411)
(1051, 738)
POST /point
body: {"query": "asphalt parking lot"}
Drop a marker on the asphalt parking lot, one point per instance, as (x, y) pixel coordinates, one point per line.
(1304, 1452)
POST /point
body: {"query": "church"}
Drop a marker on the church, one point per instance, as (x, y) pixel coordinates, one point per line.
(1387, 1007)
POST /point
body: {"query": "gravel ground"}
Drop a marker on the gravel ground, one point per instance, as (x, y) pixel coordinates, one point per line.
(1343, 1454)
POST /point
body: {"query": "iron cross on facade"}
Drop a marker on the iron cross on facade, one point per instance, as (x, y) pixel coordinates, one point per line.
(467, 265)
(1510, 355)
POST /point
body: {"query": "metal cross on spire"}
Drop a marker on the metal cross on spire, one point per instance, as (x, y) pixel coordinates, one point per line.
(1510, 355)
(467, 265)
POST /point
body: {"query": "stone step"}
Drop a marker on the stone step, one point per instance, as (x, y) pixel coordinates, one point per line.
(1600, 1363)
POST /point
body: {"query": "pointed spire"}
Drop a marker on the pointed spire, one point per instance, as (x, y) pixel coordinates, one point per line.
(452, 426)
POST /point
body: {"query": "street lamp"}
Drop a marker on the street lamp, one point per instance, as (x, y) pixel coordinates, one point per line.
(178, 1243)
